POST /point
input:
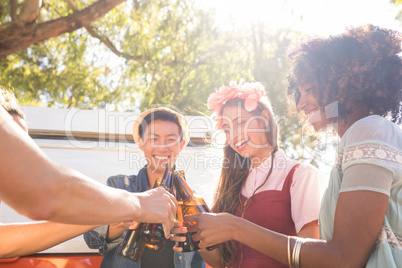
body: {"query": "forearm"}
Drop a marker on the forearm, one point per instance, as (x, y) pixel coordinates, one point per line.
(358, 221)
(28, 238)
(85, 201)
(37, 187)
(114, 231)
(267, 242)
(314, 253)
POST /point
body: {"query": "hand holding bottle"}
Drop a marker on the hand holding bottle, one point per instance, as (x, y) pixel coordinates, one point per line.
(176, 234)
(158, 206)
(189, 204)
(133, 244)
(212, 228)
(115, 230)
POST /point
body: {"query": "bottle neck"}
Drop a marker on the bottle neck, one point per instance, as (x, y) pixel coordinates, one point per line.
(168, 178)
(183, 191)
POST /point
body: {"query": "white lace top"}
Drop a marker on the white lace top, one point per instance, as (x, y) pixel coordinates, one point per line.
(371, 146)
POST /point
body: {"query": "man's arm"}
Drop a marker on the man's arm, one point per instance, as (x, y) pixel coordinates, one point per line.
(37, 187)
(27, 238)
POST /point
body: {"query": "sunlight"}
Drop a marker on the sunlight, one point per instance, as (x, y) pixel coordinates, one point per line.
(314, 17)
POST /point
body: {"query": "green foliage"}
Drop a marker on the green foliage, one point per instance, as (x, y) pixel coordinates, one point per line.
(399, 15)
(172, 53)
(186, 58)
(55, 72)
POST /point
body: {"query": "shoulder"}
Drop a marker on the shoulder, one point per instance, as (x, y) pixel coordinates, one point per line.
(307, 168)
(373, 129)
(302, 169)
(372, 140)
(283, 161)
(307, 172)
(304, 172)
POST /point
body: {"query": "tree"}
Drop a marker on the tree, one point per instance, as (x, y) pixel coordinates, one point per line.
(163, 51)
(270, 67)
(149, 52)
(26, 28)
(55, 71)
(396, 3)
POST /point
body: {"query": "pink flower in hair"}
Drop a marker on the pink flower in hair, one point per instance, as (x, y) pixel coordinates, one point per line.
(250, 92)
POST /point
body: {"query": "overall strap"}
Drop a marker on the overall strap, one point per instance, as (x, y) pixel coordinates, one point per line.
(289, 179)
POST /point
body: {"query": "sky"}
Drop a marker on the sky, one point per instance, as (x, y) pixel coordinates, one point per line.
(314, 17)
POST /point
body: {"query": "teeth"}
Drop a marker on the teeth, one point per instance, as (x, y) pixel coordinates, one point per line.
(314, 117)
(161, 157)
(309, 113)
(240, 142)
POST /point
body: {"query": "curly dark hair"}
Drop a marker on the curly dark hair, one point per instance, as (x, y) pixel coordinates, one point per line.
(361, 66)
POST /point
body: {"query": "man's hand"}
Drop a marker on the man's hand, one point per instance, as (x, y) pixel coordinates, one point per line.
(158, 206)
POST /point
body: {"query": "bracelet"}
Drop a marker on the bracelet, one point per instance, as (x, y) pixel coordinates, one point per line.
(292, 262)
(296, 253)
(289, 260)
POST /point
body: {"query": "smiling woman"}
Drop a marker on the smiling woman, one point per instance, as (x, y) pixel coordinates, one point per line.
(259, 185)
(357, 74)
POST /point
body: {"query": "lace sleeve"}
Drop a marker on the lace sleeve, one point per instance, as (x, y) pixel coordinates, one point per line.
(367, 177)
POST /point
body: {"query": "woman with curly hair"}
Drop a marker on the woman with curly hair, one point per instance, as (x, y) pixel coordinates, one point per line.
(351, 83)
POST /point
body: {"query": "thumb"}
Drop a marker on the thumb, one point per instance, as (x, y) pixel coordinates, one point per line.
(166, 230)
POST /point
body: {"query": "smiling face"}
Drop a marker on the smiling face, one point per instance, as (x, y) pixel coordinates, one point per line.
(161, 143)
(308, 103)
(246, 132)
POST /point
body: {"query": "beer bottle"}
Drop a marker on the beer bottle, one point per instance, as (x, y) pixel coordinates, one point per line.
(189, 204)
(133, 245)
(153, 233)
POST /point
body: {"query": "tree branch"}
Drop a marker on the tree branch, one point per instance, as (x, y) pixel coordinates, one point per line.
(14, 37)
(29, 11)
(13, 9)
(71, 4)
(105, 40)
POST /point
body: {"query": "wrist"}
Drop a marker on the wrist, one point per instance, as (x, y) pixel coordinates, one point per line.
(235, 226)
(135, 212)
(114, 231)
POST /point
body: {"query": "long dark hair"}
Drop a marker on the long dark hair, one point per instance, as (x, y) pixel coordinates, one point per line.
(235, 170)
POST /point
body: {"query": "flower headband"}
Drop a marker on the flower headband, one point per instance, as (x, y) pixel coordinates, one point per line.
(250, 92)
(311, 45)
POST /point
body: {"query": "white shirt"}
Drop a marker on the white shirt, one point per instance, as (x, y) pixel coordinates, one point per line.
(306, 189)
